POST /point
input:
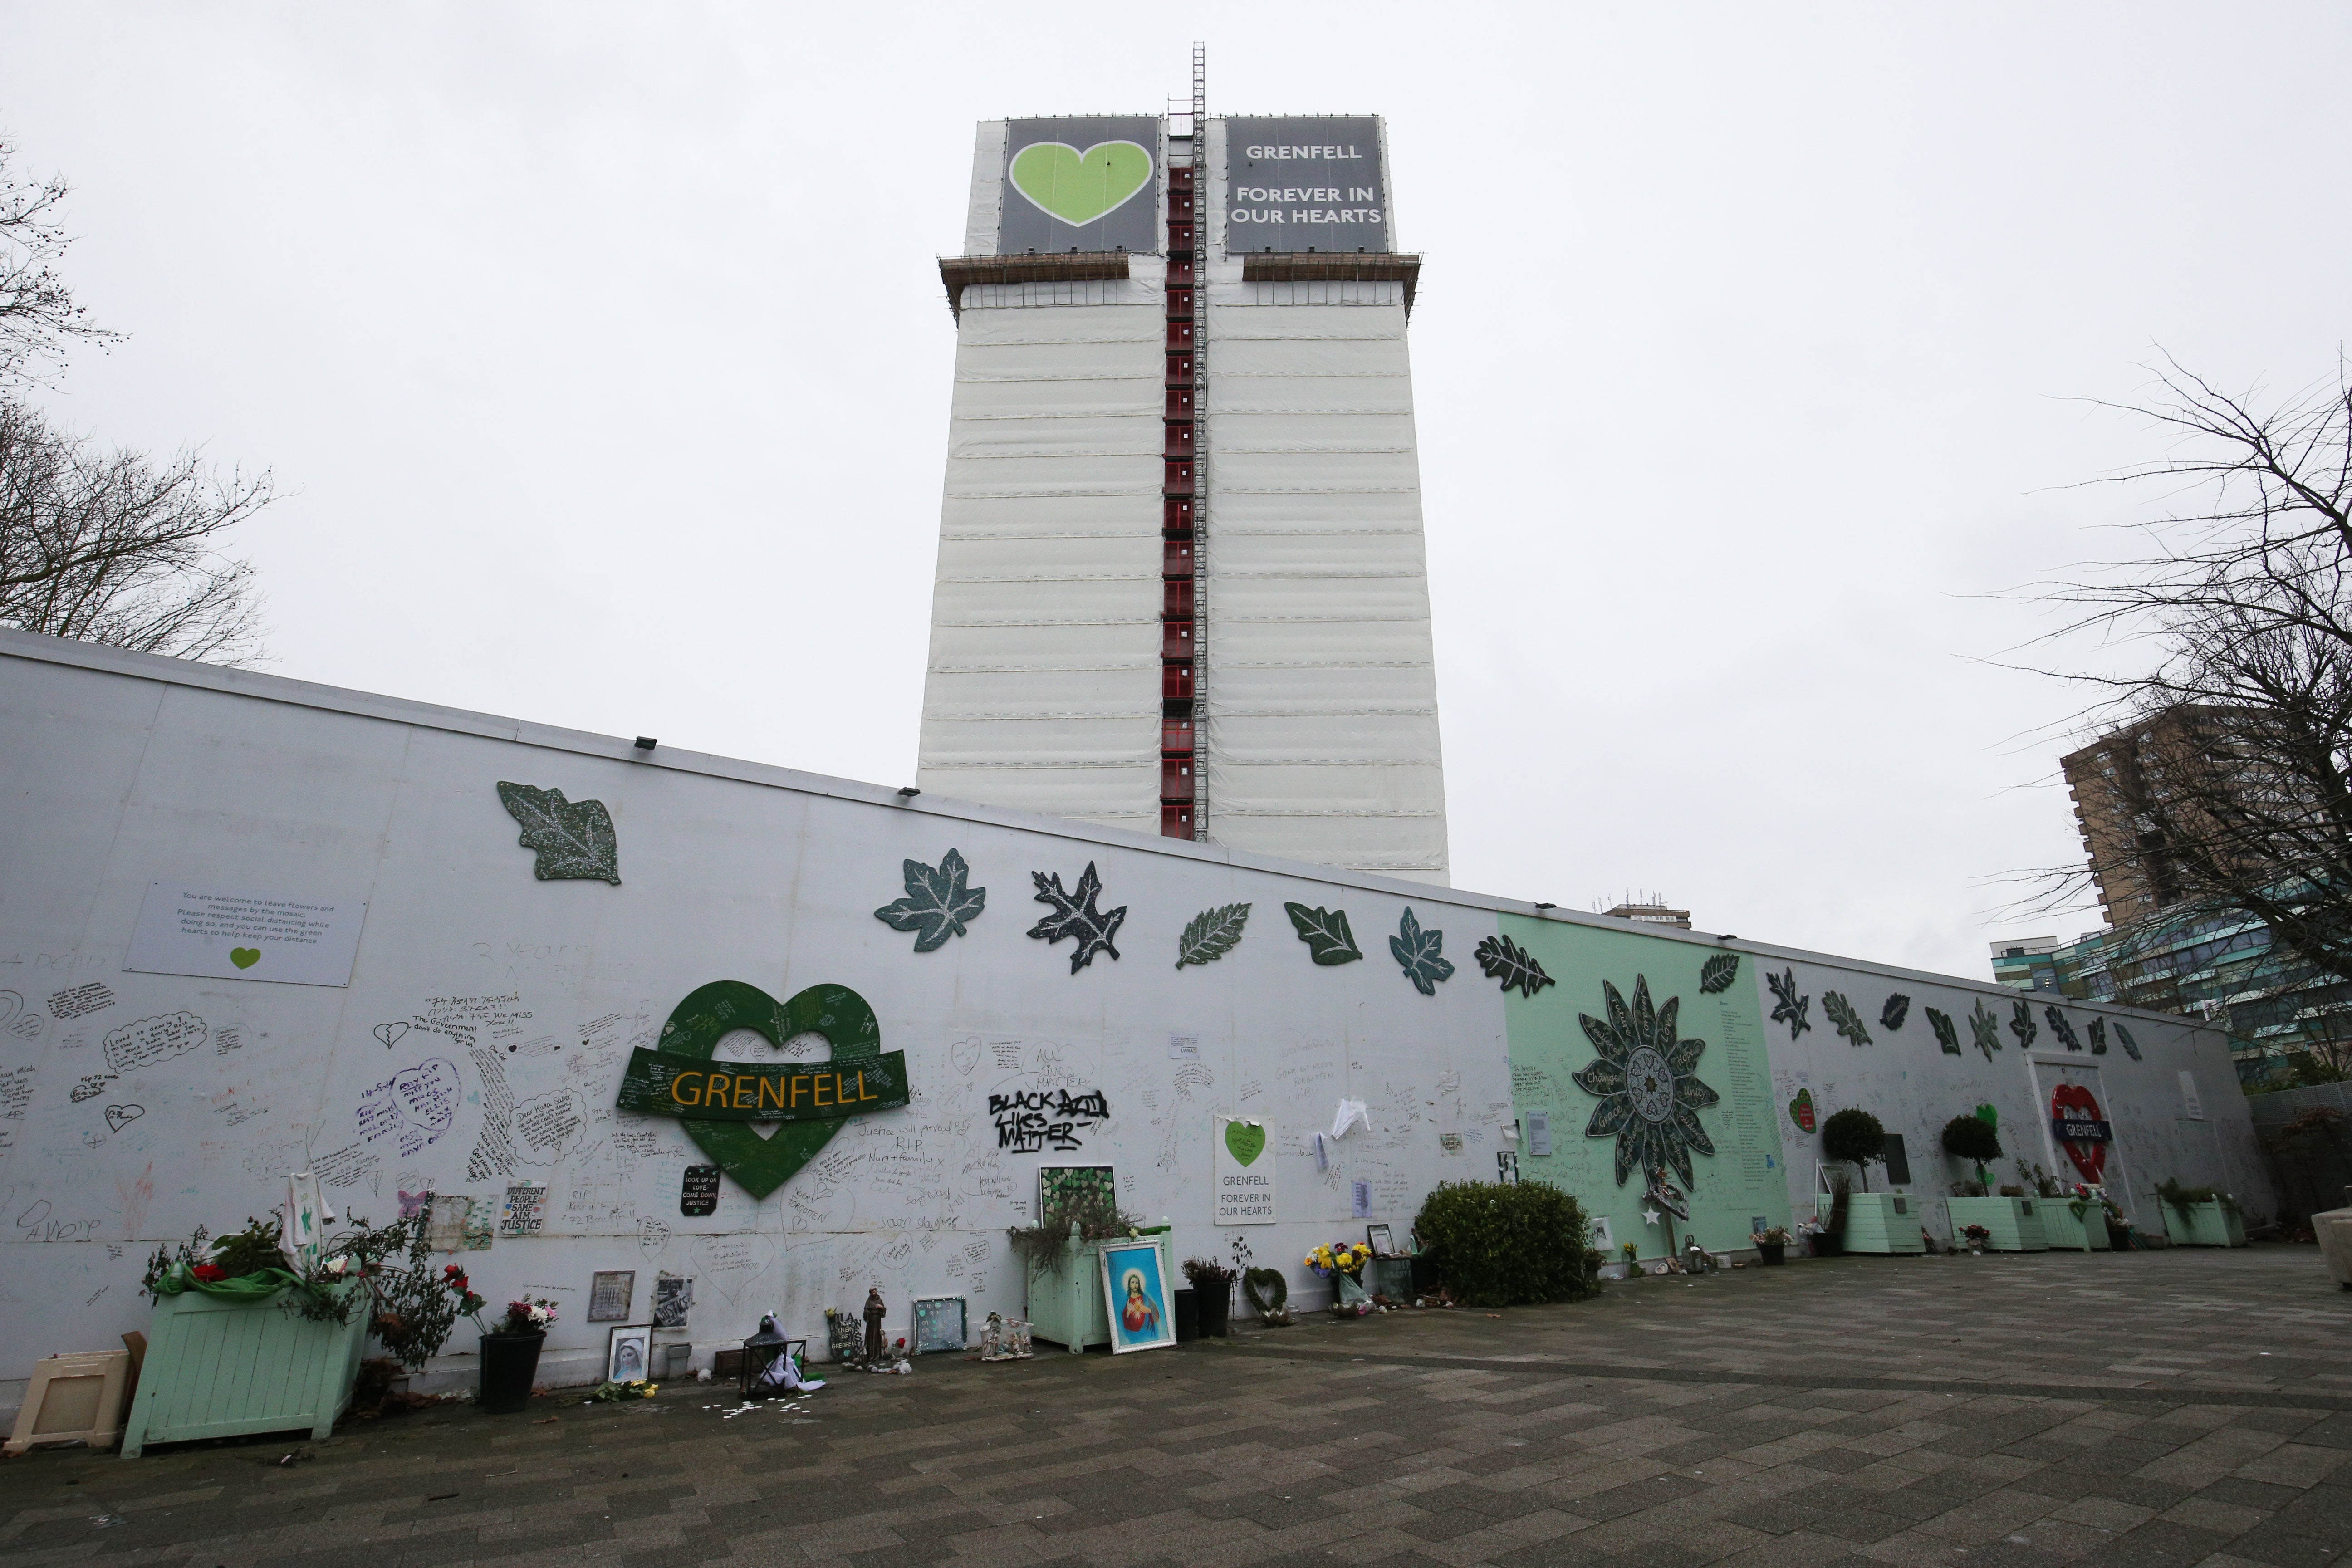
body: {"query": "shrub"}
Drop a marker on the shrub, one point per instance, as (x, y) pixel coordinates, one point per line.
(1855, 1136)
(1501, 1246)
(1973, 1138)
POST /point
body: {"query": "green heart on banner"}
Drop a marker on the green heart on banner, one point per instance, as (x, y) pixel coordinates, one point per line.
(1080, 187)
(245, 957)
(759, 1165)
(1246, 1140)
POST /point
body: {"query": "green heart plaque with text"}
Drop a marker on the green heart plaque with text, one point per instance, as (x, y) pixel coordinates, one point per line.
(759, 1165)
(1245, 1141)
(1080, 187)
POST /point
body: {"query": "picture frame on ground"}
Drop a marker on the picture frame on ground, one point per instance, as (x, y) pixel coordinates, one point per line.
(1380, 1239)
(629, 1353)
(1134, 1293)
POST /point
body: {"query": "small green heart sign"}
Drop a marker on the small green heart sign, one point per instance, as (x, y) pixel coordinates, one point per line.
(1245, 1141)
(245, 957)
(859, 1073)
(1080, 187)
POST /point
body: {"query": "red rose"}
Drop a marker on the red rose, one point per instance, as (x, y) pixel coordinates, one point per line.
(209, 1272)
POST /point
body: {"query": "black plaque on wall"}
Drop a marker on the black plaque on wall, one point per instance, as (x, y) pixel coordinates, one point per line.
(699, 1194)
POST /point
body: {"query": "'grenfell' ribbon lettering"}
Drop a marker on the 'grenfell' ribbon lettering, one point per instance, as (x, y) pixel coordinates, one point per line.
(698, 1088)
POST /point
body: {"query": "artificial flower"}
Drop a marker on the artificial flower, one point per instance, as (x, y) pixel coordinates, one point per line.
(206, 1273)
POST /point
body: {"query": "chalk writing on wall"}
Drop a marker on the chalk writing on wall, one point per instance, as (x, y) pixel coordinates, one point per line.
(415, 1107)
(346, 1167)
(152, 1040)
(548, 1125)
(1028, 1121)
(73, 1002)
(15, 1094)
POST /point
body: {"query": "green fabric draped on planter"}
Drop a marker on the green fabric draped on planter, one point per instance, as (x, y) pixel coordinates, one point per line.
(257, 1286)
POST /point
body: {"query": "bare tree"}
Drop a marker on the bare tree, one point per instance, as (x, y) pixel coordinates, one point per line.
(2230, 760)
(112, 547)
(108, 547)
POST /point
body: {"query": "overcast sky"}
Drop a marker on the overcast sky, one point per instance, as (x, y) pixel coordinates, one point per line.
(602, 353)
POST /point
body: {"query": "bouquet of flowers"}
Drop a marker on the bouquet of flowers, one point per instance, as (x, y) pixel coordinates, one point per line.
(1340, 1257)
(1976, 1235)
(1771, 1235)
(531, 1315)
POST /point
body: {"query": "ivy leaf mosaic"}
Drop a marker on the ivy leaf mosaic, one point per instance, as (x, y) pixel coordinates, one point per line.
(1947, 1033)
(574, 838)
(1209, 934)
(2131, 1047)
(1839, 1012)
(937, 905)
(2021, 1022)
(2061, 1028)
(2098, 1037)
(1645, 1077)
(1788, 1007)
(1716, 975)
(1985, 1024)
(1500, 958)
(1076, 917)
(1417, 950)
(1326, 934)
(1897, 1008)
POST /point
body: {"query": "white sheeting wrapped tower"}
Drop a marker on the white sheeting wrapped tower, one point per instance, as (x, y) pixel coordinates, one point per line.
(1182, 581)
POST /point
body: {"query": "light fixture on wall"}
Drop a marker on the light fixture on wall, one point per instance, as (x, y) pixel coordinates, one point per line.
(646, 742)
(1547, 906)
(1727, 936)
(908, 791)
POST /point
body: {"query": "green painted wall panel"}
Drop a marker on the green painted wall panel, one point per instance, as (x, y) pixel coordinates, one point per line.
(1744, 1180)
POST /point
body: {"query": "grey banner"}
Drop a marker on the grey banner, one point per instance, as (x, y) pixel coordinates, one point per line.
(1082, 182)
(1296, 183)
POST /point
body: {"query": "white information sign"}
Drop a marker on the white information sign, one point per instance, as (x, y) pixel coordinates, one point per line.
(293, 938)
(1245, 1170)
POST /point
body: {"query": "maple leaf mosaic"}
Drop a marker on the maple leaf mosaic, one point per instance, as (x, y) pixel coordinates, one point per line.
(1646, 1080)
(1075, 916)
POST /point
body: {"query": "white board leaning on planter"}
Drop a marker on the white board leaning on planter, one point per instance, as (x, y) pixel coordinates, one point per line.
(1245, 1168)
(232, 934)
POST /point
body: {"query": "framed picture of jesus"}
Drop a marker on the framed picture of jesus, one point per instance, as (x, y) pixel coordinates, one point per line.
(1135, 1289)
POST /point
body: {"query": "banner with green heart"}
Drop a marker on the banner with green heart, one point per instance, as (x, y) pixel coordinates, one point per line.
(1080, 187)
(1244, 1176)
(759, 1165)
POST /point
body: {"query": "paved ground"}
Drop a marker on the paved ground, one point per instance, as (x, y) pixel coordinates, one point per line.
(2146, 1410)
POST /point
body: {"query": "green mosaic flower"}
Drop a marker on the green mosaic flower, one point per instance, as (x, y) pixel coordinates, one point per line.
(1645, 1079)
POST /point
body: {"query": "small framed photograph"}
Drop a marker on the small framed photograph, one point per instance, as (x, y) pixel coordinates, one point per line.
(1381, 1240)
(609, 1295)
(628, 1354)
(1506, 1167)
(1134, 1288)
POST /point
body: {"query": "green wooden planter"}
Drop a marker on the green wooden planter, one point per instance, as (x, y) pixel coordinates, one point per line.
(1882, 1223)
(218, 1368)
(2017, 1224)
(2202, 1225)
(2069, 1233)
(1065, 1302)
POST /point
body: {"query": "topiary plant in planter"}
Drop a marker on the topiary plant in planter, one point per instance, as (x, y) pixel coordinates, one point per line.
(1502, 1246)
(1855, 1136)
(1972, 1138)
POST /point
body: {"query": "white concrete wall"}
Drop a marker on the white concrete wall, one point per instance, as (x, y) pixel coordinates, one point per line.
(123, 769)
(1905, 1078)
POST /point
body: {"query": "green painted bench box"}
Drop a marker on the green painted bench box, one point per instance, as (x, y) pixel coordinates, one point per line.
(1882, 1222)
(2202, 1225)
(219, 1368)
(1065, 1302)
(2069, 1233)
(2016, 1222)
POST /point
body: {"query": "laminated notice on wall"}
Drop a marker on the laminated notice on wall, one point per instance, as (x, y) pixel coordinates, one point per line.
(1539, 1132)
(525, 1210)
(1244, 1171)
(228, 934)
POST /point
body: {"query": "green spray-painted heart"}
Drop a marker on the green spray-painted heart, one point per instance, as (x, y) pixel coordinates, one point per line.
(759, 1165)
(1080, 187)
(245, 957)
(1246, 1140)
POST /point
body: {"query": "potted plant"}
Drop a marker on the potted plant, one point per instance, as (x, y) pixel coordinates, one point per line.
(1973, 1139)
(510, 1353)
(1866, 1221)
(1976, 1235)
(1213, 1286)
(2012, 1221)
(1771, 1245)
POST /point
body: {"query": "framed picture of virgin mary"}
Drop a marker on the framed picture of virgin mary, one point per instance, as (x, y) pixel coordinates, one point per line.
(1135, 1289)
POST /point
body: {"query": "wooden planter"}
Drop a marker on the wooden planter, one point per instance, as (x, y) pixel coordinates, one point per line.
(1065, 1302)
(2069, 1233)
(1882, 1222)
(2202, 1225)
(2017, 1224)
(221, 1368)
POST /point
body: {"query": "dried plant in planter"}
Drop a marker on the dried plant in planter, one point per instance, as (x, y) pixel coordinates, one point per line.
(1208, 1274)
(1098, 1219)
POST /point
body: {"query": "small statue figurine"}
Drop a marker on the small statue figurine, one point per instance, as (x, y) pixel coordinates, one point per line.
(875, 1347)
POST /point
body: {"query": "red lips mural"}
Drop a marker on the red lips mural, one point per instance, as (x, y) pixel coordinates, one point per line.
(2074, 1107)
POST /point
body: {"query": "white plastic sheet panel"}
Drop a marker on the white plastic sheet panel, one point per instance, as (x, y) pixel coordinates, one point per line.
(1043, 689)
(1320, 734)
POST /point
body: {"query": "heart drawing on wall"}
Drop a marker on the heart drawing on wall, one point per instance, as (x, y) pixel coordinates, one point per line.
(1245, 1140)
(759, 1165)
(245, 957)
(119, 1116)
(1080, 187)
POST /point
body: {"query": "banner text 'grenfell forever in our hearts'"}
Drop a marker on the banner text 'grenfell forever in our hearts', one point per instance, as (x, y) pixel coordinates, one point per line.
(1296, 183)
(698, 1088)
